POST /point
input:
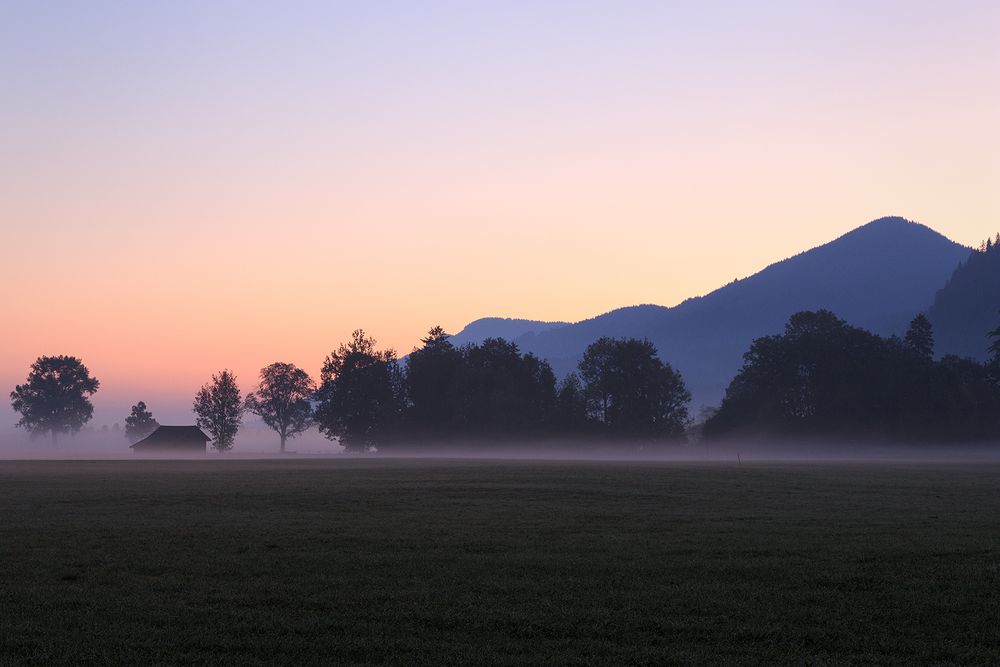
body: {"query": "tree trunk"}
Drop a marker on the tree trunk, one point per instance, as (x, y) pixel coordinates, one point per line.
(283, 443)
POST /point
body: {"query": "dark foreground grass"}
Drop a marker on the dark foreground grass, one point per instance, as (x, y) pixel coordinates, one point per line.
(444, 562)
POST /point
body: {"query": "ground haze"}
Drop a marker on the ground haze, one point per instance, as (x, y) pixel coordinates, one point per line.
(409, 561)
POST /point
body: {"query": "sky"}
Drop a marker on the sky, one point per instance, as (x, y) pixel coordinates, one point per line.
(191, 186)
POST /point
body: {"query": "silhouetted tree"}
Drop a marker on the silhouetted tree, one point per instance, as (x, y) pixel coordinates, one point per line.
(431, 385)
(920, 337)
(632, 392)
(360, 394)
(219, 408)
(597, 370)
(571, 406)
(139, 423)
(808, 379)
(964, 401)
(824, 377)
(55, 397)
(994, 361)
(283, 400)
(504, 393)
(479, 392)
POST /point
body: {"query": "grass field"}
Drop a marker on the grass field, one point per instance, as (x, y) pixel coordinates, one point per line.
(465, 562)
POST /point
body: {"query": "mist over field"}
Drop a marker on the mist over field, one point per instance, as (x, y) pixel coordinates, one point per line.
(260, 443)
(99, 444)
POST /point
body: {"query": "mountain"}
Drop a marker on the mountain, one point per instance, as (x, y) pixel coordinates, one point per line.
(878, 277)
(501, 327)
(968, 306)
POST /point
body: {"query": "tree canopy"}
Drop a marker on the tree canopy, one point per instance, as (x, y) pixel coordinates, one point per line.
(283, 400)
(504, 393)
(219, 409)
(360, 394)
(631, 392)
(822, 376)
(479, 393)
(139, 423)
(994, 362)
(920, 337)
(432, 373)
(55, 397)
(491, 392)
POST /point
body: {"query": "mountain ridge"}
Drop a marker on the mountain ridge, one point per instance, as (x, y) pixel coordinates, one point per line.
(967, 307)
(508, 328)
(877, 276)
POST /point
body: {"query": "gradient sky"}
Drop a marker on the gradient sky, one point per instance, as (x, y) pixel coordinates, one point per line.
(187, 186)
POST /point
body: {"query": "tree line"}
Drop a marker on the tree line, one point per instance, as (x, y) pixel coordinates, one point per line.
(368, 398)
(819, 377)
(824, 377)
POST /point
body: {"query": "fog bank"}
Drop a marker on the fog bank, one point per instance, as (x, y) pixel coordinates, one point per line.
(261, 443)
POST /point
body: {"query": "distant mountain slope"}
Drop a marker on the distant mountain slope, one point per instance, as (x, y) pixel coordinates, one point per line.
(878, 276)
(501, 327)
(968, 306)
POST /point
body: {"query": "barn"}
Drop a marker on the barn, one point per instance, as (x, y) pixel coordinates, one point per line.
(173, 440)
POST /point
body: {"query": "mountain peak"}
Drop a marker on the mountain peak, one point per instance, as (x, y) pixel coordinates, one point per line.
(889, 220)
(891, 227)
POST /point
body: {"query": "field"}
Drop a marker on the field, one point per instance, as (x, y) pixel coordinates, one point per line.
(466, 562)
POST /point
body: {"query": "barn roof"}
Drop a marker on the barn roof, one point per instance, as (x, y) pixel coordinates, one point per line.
(172, 434)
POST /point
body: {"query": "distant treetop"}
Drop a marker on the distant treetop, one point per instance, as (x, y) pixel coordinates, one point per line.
(990, 244)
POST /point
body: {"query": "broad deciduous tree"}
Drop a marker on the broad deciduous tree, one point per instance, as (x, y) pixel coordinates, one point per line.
(504, 393)
(283, 400)
(360, 393)
(55, 398)
(632, 392)
(823, 377)
(219, 408)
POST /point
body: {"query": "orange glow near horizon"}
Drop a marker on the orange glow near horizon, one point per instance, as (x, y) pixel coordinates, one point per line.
(178, 199)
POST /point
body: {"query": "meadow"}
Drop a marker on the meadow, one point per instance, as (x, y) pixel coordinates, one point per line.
(383, 561)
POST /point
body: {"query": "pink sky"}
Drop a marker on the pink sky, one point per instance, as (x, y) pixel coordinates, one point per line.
(184, 189)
